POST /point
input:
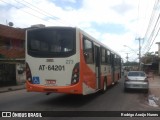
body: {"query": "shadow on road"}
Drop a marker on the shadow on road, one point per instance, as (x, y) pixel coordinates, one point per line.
(71, 100)
(135, 91)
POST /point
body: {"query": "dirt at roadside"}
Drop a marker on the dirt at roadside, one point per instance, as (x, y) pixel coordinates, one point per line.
(154, 88)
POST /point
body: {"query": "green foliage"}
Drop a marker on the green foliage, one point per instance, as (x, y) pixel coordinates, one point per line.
(131, 64)
(149, 57)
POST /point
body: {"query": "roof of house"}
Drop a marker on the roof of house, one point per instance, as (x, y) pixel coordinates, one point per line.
(10, 32)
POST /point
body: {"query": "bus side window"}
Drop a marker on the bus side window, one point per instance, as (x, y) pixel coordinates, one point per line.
(115, 60)
(119, 61)
(112, 59)
(103, 56)
(108, 57)
(88, 51)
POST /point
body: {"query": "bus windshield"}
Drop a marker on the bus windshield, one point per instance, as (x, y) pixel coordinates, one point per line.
(51, 42)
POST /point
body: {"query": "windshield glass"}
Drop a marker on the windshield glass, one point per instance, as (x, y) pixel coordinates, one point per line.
(51, 42)
(141, 74)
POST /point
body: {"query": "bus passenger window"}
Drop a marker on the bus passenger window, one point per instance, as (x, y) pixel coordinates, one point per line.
(115, 60)
(108, 57)
(44, 46)
(35, 44)
(103, 55)
(88, 51)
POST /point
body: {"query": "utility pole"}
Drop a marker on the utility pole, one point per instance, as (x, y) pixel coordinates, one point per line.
(127, 57)
(139, 39)
(127, 60)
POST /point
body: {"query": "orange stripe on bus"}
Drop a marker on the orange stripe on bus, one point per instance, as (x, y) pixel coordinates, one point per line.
(73, 89)
(86, 74)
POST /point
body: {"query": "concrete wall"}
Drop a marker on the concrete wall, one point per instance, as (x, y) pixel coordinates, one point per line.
(20, 73)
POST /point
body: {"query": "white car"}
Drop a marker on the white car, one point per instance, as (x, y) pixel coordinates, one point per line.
(136, 80)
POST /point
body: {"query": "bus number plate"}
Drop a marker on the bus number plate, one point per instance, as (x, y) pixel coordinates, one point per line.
(50, 82)
(52, 67)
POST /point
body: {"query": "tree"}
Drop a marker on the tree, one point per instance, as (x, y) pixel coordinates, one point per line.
(149, 58)
(131, 64)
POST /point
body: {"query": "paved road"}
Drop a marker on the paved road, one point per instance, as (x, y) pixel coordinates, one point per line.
(115, 99)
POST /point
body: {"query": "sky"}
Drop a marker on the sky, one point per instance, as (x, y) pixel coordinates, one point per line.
(116, 23)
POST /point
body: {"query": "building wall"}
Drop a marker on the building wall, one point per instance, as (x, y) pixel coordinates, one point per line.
(20, 73)
(11, 32)
(12, 55)
(11, 48)
(7, 74)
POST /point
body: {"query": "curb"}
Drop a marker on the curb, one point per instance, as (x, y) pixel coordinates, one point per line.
(12, 88)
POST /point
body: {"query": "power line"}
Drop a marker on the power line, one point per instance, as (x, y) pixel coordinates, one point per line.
(151, 18)
(149, 26)
(40, 11)
(145, 17)
(153, 31)
(24, 11)
(53, 17)
(153, 39)
(44, 12)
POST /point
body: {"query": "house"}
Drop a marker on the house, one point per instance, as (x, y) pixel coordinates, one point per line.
(12, 55)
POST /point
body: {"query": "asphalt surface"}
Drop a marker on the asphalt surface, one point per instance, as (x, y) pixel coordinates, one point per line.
(114, 99)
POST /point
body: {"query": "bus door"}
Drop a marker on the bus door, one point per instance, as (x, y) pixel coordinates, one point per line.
(112, 68)
(97, 65)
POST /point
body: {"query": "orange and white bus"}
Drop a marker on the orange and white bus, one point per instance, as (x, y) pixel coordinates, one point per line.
(68, 60)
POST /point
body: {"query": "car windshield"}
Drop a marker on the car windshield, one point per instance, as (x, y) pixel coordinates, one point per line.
(141, 74)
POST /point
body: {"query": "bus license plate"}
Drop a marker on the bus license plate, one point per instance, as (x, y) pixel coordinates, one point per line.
(50, 82)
